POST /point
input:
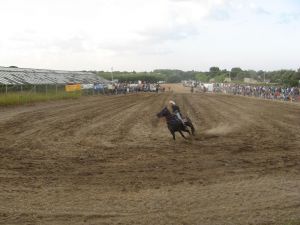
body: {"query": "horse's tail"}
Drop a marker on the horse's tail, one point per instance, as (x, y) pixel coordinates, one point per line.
(190, 124)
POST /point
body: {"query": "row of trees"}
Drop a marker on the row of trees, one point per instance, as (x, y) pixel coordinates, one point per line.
(283, 77)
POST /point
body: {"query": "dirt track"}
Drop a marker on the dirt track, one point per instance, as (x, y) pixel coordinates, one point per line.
(108, 160)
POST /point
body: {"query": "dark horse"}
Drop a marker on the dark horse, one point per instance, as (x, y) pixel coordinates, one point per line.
(174, 124)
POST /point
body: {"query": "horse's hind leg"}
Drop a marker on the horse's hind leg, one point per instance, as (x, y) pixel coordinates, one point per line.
(189, 124)
(182, 134)
(187, 130)
(193, 129)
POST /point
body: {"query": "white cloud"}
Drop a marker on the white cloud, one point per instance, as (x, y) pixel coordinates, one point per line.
(137, 34)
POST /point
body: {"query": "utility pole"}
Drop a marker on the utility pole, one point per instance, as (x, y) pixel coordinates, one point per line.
(112, 73)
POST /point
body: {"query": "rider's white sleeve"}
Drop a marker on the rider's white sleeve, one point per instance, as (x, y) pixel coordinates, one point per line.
(178, 115)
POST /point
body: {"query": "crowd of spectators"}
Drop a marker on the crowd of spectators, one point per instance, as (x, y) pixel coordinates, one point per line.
(125, 88)
(261, 91)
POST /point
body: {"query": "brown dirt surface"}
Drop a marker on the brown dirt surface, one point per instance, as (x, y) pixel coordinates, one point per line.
(178, 88)
(109, 160)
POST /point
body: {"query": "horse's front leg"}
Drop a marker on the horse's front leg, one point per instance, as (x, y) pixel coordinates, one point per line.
(172, 132)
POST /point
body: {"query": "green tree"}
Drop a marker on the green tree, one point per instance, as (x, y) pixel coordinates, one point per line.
(201, 77)
(234, 72)
(214, 71)
(174, 79)
(220, 78)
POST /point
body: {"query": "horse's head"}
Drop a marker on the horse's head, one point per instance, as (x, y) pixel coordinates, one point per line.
(164, 112)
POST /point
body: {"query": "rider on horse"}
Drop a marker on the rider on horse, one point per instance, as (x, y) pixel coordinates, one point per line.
(176, 111)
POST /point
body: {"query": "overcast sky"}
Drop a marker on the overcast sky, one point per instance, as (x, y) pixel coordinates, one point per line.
(150, 34)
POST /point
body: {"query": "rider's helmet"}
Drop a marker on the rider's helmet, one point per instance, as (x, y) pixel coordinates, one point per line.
(172, 102)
